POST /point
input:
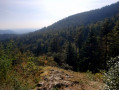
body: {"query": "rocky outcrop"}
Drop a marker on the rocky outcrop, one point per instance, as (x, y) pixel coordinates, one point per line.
(53, 78)
(56, 80)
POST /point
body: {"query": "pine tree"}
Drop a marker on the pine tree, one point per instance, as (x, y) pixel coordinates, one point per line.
(114, 42)
(71, 59)
(104, 41)
(89, 53)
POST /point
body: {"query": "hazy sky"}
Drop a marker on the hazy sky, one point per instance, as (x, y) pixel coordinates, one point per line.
(16, 14)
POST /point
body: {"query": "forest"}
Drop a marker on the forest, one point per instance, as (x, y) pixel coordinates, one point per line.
(82, 42)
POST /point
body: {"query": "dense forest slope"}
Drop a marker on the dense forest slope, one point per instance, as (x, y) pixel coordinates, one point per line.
(72, 40)
(80, 19)
(7, 36)
(86, 18)
(85, 42)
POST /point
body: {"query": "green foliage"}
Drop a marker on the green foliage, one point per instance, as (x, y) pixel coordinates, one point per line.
(83, 41)
(89, 53)
(5, 62)
(30, 68)
(11, 67)
(43, 60)
(112, 76)
(71, 57)
(114, 41)
(77, 47)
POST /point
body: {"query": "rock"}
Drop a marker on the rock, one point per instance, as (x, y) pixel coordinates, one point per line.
(51, 70)
(64, 81)
(46, 79)
(55, 79)
(39, 85)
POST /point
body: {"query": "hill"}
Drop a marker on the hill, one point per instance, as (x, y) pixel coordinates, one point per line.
(86, 43)
(71, 40)
(4, 37)
(86, 18)
(7, 32)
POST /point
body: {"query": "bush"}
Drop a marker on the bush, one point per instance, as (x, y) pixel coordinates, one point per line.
(43, 60)
(5, 64)
(112, 76)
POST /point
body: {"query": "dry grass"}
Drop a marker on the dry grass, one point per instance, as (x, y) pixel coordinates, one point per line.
(85, 82)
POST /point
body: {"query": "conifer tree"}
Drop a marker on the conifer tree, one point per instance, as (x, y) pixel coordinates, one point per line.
(89, 53)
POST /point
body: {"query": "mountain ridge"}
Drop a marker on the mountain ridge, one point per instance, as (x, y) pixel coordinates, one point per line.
(85, 18)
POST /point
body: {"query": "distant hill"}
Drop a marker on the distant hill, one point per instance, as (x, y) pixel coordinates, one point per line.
(4, 37)
(24, 30)
(7, 32)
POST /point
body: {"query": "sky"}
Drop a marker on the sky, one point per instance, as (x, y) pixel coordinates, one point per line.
(22, 14)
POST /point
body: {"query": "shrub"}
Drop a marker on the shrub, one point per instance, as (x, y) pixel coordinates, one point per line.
(112, 75)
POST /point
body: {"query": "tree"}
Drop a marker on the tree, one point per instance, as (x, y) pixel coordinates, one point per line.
(6, 59)
(71, 58)
(88, 55)
(104, 40)
(114, 41)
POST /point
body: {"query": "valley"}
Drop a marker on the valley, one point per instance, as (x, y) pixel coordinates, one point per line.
(79, 52)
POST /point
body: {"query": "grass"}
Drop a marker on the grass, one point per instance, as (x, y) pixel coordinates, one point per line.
(87, 81)
(28, 75)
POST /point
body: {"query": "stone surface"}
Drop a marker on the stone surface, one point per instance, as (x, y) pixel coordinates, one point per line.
(55, 79)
